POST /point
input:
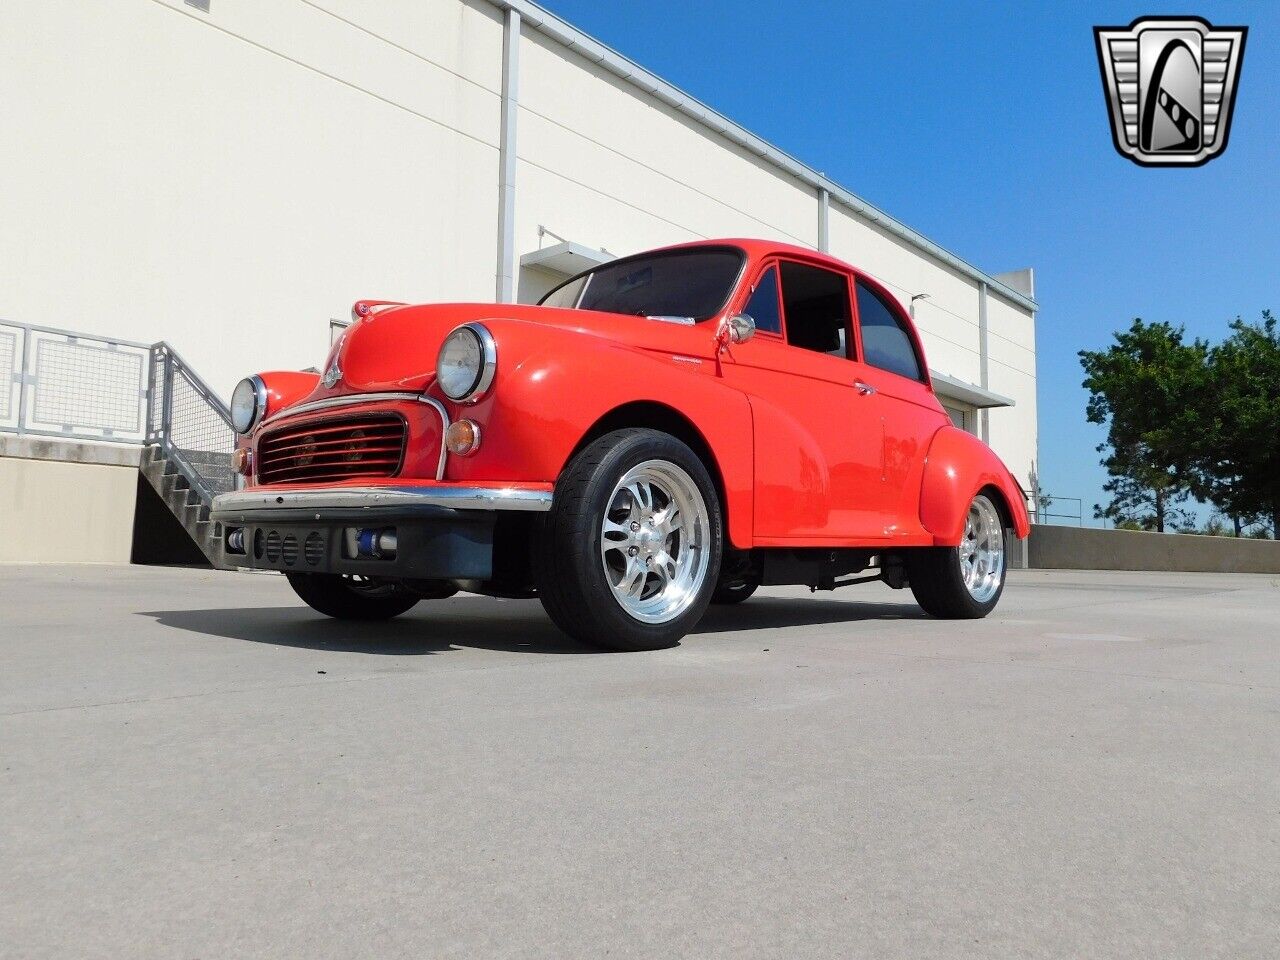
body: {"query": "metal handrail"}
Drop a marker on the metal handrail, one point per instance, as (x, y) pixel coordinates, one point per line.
(195, 445)
(75, 334)
(215, 400)
(174, 367)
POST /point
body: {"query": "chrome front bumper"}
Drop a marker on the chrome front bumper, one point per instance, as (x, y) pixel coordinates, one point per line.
(354, 502)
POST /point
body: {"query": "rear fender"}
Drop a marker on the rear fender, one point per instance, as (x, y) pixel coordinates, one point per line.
(958, 466)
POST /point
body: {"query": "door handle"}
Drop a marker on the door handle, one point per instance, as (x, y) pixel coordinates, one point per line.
(864, 388)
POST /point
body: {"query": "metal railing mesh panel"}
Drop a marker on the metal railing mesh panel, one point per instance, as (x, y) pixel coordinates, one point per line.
(8, 373)
(60, 383)
(81, 386)
(199, 432)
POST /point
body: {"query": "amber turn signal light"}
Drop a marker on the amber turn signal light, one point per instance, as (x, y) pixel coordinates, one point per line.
(242, 461)
(463, 437)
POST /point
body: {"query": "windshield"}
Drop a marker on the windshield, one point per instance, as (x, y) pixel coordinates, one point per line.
(694, 283)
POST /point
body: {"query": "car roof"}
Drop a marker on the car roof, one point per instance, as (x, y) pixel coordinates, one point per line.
(757, 248)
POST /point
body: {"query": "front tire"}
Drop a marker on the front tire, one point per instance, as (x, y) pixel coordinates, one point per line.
(963, 582)
(728, 594)
(630, 552)
(351, 598)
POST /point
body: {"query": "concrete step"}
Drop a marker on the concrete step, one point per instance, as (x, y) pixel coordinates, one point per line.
(161, 469)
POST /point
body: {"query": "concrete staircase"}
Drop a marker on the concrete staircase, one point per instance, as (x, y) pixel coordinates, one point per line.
(187, 481)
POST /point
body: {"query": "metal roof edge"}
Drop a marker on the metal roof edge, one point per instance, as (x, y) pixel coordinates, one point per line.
(546, 22)
(970, 393)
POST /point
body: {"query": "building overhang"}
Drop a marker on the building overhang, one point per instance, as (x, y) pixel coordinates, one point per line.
(567, 258)
(970, 393)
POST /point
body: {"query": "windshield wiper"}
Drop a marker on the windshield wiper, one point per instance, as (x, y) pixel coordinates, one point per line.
(668, 318)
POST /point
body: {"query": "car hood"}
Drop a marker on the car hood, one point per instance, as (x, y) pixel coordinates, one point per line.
(395, 349)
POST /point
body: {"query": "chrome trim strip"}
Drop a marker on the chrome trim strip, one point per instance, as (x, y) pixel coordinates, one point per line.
(444, 431)
(355, 399)
(459, 498)
(347, 401)
(259, 404)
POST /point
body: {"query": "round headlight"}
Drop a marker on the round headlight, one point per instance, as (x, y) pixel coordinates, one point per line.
(466, 363)
(248, 404)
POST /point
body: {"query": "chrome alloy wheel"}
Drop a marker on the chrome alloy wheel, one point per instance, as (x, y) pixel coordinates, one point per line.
(654, 541)
(981, 550)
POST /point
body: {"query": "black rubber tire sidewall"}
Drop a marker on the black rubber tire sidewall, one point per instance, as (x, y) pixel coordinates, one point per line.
(936, 583)
(329, 594)
(725, 596)
(571, 579)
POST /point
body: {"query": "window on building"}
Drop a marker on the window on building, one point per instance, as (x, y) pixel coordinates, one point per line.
(816, 305)
(763, 305)
(885, 341)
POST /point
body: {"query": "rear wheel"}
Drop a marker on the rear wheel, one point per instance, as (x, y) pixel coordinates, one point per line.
(351, 598)
(630, 551)
(963, 582)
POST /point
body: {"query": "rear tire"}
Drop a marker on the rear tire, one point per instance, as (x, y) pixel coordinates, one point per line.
(346, 598)
(629, 554)
(963, 582)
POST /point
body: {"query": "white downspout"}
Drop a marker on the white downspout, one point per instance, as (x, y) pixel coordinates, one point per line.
(506, 273)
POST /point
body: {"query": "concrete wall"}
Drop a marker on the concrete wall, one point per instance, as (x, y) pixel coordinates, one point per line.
(1076, 548)
(69, 509)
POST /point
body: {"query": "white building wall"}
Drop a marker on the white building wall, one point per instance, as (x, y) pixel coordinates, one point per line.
(947, 320)
(611, 166)
(230, 181)
(1011, 366)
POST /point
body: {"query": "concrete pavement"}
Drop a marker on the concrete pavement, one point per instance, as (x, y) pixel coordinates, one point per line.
(192, 764)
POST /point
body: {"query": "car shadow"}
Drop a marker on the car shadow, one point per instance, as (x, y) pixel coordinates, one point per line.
(776, 613)
(511, 626)
(507, 626)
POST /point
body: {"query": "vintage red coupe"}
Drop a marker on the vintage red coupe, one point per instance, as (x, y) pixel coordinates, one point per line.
(662, 432)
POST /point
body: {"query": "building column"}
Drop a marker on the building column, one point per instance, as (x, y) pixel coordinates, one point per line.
(506, 273)
(984, 416)
(824, 206)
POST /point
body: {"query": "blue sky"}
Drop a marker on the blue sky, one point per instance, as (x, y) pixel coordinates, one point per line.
(982, 125)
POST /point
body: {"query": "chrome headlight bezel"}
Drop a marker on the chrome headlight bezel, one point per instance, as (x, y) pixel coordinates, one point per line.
(479, 375)
(250, 394)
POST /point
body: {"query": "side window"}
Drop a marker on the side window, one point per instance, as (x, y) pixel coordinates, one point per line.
(885, 343)
(816, 305)
(763, 305)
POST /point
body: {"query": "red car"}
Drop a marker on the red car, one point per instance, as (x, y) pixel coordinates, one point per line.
(661, 432)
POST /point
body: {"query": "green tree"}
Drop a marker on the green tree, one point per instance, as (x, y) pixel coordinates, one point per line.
(1238, 466)
(1148, 388)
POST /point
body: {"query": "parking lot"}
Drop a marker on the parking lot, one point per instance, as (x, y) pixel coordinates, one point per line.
(195, 765)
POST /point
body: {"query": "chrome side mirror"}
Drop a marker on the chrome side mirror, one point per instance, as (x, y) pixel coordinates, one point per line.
(737, 329)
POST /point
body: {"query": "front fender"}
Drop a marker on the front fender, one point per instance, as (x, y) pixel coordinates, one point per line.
(957, 467)
(557, 384)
